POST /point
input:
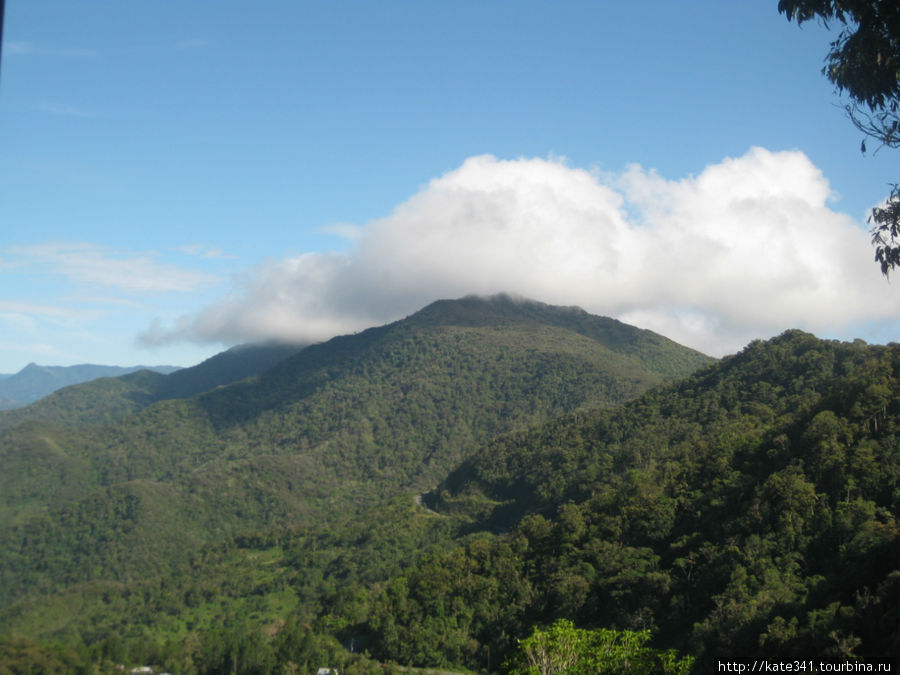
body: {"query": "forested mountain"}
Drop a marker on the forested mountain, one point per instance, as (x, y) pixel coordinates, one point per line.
(749, 511)
(317, 457)
(112, 396)
(34, 381)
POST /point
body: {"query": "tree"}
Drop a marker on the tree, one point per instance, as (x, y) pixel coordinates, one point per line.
(864, 62)
(563, 649)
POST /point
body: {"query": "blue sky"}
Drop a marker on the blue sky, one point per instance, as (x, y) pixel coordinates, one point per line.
(179, 177)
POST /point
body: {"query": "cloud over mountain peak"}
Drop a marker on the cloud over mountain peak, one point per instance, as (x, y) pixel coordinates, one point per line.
(745, 249)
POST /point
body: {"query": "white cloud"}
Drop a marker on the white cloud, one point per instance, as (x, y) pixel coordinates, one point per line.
(204, 251)
(14, 307)
(106, 300)
(746, 249)
(347, 231)
(104, 266)
(29, 316)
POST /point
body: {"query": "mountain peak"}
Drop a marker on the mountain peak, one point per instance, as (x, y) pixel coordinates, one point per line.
(496, 309)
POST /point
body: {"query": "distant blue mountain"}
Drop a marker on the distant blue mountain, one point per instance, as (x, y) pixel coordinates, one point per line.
(34, 382)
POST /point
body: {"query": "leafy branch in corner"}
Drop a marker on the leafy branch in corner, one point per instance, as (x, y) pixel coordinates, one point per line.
(864, 62)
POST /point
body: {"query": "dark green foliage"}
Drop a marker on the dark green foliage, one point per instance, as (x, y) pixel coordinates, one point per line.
(886, 232)
(98, 401)
(230, 366)
(34, 381)
(750, 508)
(21, 656)
(109, 398)
(864, 62)
(149, 524)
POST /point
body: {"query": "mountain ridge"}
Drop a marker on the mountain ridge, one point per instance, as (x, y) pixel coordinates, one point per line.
(332, 429)
(753, 504)
(750, 504)
(105, 399)
(34, 381)
(328, 444)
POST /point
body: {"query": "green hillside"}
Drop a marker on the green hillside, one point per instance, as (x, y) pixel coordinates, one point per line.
(314, 462)
(34, 381)
(749, 511)
(108, 398)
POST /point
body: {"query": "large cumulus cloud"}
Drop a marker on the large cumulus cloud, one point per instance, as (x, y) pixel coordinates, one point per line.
(747, 248)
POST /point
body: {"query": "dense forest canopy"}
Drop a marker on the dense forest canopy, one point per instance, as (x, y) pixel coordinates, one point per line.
(285, 523)
(315, 459)
(750, 508)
